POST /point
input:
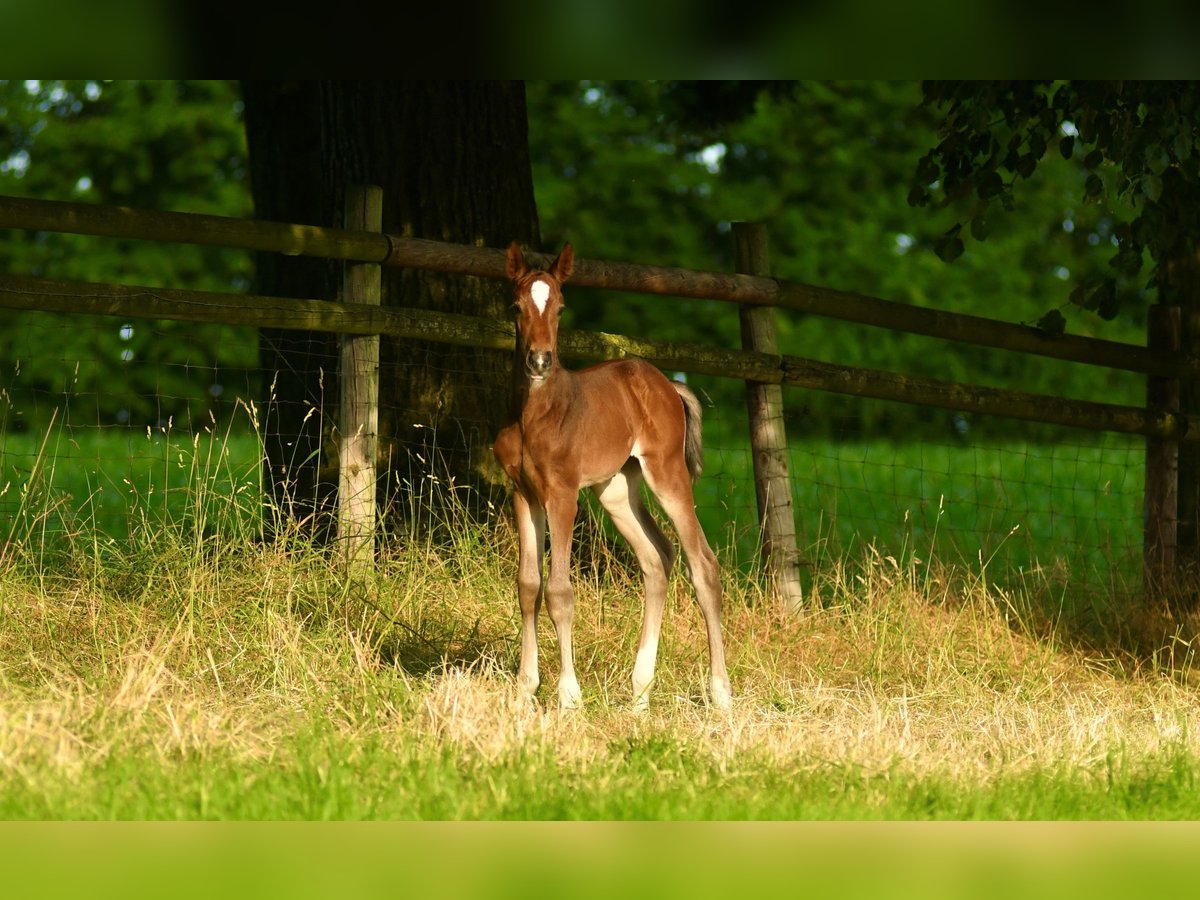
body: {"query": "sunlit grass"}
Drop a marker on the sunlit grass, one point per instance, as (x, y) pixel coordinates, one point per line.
(160, 660)
(259, 685)
(105, 485)
(191, 672)
(1071, 514)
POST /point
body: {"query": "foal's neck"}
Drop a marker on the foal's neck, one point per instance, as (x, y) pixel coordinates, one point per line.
(556, 389)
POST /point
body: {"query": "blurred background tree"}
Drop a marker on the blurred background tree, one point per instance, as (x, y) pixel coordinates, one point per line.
(656, 172)
(1135, 146)
(173, 145)
(643, 171)
(452, 161)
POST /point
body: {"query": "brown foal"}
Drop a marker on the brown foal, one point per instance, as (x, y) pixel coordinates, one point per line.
(605, 427)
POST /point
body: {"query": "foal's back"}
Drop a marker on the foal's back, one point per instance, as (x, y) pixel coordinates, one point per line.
(630, 406)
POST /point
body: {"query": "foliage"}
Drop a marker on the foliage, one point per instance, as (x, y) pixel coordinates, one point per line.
(173, 145)
(645, 171)
(625, 172)
(1135, 146)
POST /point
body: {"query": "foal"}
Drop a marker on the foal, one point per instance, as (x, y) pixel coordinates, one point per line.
(605, 427)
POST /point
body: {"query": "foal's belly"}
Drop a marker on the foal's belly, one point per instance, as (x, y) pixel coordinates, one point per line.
(597, 465)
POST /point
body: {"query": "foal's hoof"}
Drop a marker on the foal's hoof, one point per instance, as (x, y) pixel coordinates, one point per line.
(720, 698)
(570, 697)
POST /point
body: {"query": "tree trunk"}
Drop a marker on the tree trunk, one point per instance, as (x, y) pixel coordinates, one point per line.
(452, 159)
(1182, 288)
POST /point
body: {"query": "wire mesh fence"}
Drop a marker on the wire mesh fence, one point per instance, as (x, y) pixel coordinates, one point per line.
(1017, 503)
(110, 429)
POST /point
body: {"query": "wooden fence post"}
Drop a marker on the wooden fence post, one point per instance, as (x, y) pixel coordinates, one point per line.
(1181, 287)
(768, 439)
(1161, 527)
(358, 410)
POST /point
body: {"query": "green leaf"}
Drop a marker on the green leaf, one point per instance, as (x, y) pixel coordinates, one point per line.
(928, 170)
(1094, 186)
(1183, 144)
(1093, 159)
(992, 185)
(1066, 146)
(1052, 323)
(980, 228)
(1157, 159)
(948, 249)
(1152, 187)
(1037, 146)
(1128, 259)
(1104, 300)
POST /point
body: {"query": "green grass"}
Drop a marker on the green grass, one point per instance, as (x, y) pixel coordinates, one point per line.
(256, 684)
(1067, 513)
(316, 774)
(174, 668)
(1072, 514)
(107, 484)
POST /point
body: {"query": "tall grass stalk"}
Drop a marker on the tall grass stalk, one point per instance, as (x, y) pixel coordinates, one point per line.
(192, 671)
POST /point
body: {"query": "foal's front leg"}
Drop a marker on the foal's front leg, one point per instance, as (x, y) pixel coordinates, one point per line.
(560, 598)
(531, 537)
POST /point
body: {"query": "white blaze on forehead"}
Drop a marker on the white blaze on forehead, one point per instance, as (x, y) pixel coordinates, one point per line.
(540, 292)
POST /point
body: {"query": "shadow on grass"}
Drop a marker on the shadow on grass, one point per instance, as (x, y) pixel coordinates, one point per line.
(420, 642)
(422, 651)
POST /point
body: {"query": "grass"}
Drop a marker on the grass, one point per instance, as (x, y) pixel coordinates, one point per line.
(190, 673)
(1020, 507)
(1068, 514)
(107, 484)
(157, 662)
(255, 685)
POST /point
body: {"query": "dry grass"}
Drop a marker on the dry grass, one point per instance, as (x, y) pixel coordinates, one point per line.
(893, 671)
(882, 679)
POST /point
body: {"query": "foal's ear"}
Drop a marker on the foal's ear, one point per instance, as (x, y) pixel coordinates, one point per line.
(515, 263)
(564, 264)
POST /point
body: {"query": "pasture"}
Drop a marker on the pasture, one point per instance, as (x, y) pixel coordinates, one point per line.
(158, 664)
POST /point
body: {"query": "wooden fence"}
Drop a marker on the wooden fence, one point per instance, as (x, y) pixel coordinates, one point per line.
(362, 246)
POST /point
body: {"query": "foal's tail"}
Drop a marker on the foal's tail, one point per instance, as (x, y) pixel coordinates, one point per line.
(693, 449)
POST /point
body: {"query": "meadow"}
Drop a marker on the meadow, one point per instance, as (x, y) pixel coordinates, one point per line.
(157, 662)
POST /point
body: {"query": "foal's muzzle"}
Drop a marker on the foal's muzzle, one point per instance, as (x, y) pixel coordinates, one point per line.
(538, 363)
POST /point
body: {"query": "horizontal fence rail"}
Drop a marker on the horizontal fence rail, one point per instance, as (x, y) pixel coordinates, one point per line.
(484, 262)
(323, 315)
(1166, 365)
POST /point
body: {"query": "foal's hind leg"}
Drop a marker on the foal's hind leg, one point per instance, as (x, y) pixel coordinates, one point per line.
(621, 497)
(672, 484)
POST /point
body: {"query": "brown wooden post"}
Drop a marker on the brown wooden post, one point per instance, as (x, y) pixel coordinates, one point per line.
(358, 410)
(768, 438)
(1163, 334)
(1181, 287)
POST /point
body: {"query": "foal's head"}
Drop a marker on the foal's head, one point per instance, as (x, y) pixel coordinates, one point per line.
(539, 301)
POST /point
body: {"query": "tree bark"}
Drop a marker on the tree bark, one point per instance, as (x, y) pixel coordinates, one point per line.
(1161, 494)
(453, 161)
(1181, 287)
